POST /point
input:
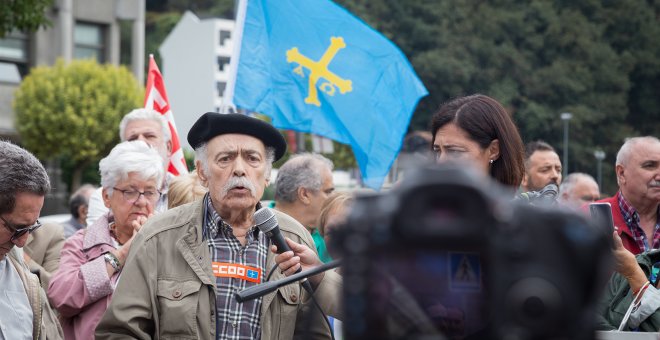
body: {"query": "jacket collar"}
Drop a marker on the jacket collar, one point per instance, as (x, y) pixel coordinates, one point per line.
(98, 233)
(31, 285)
(193, 248)
(646, 260)
(616, 215)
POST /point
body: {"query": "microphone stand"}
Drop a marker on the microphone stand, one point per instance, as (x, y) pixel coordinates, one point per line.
(267, 287)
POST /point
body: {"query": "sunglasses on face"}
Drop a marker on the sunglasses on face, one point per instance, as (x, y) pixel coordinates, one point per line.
(18, 230)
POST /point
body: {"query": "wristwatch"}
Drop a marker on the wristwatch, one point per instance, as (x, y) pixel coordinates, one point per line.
(113, 261)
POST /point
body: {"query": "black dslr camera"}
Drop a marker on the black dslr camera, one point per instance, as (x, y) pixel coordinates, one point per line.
(448, 255)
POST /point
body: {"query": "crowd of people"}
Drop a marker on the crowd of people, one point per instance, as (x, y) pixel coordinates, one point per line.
(149, 255)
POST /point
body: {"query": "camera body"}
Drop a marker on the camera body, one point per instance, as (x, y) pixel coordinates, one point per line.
(447, 254)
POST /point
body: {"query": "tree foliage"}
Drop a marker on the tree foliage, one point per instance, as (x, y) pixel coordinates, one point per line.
(163, 15)
(23, 15)
(157, 27)
(73, 110)
(202, 8)
(598, 60)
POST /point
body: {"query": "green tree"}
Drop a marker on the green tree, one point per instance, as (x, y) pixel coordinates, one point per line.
(23, 15)
(203, 8)
(157, 27)
(596, 59)
(342, 157)
(162, 16)
(73, 110)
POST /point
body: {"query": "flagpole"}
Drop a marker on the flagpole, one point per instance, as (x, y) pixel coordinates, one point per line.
(228, 98)
(156, 99)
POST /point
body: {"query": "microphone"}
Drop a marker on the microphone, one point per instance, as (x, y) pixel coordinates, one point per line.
(267, 287)
(547, 195)
(265, 220)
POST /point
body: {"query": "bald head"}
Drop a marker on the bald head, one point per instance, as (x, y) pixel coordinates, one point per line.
(578, 189)
(638, 172)
(631, 145)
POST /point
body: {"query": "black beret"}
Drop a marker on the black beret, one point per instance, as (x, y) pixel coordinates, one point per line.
(213, 124)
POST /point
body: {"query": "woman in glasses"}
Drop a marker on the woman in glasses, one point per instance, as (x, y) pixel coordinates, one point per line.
(92, 258)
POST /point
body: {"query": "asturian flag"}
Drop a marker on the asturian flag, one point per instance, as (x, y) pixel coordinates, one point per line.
(314, 67)
(156, 99)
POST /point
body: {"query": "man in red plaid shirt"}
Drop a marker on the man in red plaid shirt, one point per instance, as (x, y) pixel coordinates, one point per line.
(636, 206)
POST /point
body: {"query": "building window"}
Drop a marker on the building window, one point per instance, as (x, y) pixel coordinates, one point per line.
(14, 50)
(88, 42)
(224, 35)
(222, 62)
(221, 85)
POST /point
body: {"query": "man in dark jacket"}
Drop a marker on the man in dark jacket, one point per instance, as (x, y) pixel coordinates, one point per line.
(630, 282)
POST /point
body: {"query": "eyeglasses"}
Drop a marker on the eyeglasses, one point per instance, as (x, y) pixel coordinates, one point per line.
(18, 230)
(132, 196)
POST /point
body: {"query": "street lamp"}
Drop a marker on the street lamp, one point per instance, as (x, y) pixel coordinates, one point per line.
(600, 155)
(565, 117)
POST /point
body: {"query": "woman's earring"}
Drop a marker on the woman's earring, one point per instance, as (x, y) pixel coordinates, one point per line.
(492, 161)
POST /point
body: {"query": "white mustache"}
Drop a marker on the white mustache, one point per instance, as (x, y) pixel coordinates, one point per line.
(235, 182)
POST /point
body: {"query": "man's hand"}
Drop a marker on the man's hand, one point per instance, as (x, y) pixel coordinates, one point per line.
(301, 256)
(626, 264)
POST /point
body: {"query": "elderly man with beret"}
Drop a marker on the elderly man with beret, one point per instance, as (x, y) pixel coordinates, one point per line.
(186, 264)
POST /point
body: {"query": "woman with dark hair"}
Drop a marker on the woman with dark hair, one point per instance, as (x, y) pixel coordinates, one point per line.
(478, 129)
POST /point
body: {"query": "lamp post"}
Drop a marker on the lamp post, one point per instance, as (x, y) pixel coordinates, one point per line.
(565, 117)
(600, 155)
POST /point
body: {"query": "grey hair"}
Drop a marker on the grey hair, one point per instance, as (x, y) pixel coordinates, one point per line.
(569, 182)
(20, 172)
(301, 171)
(201, 155)
(126, 157)
(83, 190)
(144, 114)
(623, 155)
(80, 198)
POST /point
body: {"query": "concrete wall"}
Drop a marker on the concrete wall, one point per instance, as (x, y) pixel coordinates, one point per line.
(190, 70)
(6, 112)
(56, 41)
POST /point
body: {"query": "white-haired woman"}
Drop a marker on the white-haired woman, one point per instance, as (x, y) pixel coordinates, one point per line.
(92, 259)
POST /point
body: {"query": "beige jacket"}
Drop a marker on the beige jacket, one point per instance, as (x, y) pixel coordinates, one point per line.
(43, 246)
(167, 287)
(44, 323)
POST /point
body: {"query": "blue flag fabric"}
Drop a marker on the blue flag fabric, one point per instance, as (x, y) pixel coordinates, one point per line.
(314, 67)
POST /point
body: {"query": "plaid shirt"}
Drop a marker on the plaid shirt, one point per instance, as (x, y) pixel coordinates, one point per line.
(234, 320)
(631, 217)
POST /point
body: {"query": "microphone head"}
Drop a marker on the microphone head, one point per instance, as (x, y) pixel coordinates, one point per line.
(550, 191)
(264, 219)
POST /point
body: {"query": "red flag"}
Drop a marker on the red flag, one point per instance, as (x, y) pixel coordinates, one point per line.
(156, 98)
